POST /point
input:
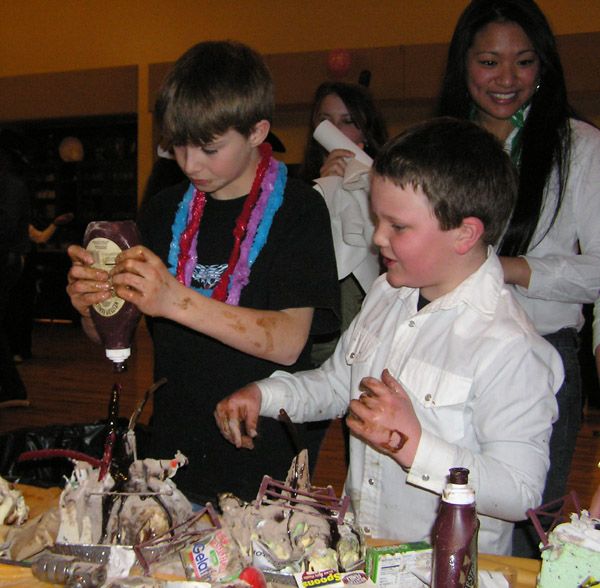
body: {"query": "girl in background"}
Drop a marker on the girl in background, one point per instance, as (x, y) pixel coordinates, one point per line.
(349, 107)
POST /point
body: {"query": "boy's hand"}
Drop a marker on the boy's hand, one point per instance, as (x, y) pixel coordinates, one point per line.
(86, 285)
(237, 416)
(384, 418)
(140, 277)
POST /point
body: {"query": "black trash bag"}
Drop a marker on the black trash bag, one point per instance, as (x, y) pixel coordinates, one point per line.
(85, 438)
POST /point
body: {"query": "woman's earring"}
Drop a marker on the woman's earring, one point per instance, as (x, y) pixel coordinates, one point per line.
(537, 87)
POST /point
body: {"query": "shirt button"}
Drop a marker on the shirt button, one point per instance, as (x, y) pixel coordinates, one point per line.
(427, 397)
(367, 530)
(352, 355)
(411, 323)
(371, 481)
(425, 478)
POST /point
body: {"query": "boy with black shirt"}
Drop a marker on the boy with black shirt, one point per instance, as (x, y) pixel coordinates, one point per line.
(238, 272)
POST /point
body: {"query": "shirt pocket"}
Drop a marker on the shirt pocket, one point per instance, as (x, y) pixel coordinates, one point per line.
(440, 397)
(362, 346)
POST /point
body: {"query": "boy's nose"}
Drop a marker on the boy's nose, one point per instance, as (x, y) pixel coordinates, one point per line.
(190, 162)
(378, 237)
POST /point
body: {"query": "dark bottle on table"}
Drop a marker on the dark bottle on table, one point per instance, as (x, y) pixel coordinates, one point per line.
(454, 537)
(115, 319)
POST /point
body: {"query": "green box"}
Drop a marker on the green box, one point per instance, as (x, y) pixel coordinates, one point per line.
(392, 565)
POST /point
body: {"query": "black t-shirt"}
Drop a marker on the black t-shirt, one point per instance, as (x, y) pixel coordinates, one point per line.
(296, 268)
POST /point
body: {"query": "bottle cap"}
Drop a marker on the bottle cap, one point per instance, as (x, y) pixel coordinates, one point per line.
(459, 476)
(118, 355)
(458, 491)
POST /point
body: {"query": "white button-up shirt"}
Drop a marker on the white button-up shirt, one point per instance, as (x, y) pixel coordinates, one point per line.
(565, 262)
(482, 383)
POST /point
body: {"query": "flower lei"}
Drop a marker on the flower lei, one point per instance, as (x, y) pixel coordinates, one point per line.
(253, 225)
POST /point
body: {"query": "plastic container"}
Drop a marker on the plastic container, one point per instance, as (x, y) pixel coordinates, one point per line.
(56, 569)
(115, 319)
(454, 536)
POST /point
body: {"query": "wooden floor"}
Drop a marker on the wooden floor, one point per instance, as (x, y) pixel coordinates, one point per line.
(69, 381)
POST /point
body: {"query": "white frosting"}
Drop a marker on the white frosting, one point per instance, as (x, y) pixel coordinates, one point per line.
(278, 537)
(120, 561)
(13, 510)
(580, 531)
(132, 518)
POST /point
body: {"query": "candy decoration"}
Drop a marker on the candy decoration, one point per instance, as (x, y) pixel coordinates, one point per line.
(253, 577)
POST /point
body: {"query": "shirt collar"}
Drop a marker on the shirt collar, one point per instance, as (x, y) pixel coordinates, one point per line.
(480, 290)
(513, 144)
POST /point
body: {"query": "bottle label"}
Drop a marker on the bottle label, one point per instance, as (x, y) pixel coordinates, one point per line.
(470, 562)
(104, 251)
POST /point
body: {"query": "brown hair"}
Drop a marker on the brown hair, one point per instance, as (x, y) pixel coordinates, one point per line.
(366, 117)
(462, 169)
(213, 87)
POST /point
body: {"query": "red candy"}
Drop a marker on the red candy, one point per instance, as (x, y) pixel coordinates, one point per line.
(254, 577)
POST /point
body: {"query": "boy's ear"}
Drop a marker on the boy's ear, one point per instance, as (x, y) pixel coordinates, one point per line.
(469, 234)
(259, 132)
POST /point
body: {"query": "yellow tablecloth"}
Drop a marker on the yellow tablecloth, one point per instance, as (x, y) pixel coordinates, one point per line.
(39, 500)
(526, 571)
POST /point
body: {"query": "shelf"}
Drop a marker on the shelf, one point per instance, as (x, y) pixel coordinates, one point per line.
(103, 184)
(100, 185)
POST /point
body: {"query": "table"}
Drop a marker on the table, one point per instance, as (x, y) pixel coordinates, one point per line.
(39, 500)
(526, 570)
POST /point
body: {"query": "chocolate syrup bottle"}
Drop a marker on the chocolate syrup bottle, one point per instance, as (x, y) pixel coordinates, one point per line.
(454, 536)
(114, 318)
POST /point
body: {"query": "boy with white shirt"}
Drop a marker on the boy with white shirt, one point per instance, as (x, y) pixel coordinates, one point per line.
(441, 368)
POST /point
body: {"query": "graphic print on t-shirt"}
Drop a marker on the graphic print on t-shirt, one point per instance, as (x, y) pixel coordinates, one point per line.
(206, 277)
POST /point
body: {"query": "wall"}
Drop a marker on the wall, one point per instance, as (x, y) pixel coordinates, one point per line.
(42, 36)
(59, 35)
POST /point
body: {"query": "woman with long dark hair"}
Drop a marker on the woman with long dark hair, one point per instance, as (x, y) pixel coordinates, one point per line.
(504, 72)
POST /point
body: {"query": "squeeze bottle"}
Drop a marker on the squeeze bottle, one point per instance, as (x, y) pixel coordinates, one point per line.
(454, 536)
(115, 319)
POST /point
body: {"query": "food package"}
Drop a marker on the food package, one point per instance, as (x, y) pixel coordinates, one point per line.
(214, 558)
(333, 579)
(395, 565)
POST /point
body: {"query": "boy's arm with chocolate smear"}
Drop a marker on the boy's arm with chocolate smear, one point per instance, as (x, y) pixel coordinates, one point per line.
(141, 277)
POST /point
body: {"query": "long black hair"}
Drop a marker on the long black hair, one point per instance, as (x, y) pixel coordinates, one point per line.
(366, 116)
(546, 139)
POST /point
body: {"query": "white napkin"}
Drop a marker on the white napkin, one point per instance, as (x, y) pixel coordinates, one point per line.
(352, 229)
(332, 138)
